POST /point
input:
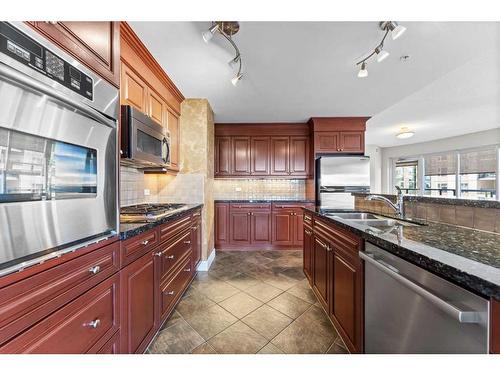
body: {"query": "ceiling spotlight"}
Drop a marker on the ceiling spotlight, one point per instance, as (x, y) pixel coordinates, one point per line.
(363, 72)
(405, 133)
(396, 29)
(208, 34)
(381, 53)
(236, 79)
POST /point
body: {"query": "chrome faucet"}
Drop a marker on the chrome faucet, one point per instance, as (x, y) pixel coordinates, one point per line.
(398, 207)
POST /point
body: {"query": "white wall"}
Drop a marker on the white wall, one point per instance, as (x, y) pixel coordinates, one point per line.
(375, 154)
(479, 139)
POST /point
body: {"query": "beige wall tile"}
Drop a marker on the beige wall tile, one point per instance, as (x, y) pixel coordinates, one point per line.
(432, 212)
(484, 219)
(447, 214)
(464, 216)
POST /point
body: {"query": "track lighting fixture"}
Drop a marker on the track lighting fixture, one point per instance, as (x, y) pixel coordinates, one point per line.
(227, 29)
(396, 31)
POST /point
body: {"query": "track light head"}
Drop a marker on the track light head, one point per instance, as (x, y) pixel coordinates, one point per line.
(236, 79)
(363, 72)
(208, 34)
(381, 53)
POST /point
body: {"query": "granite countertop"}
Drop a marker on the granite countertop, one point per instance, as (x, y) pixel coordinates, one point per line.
(467, 257)
(128, 230)
(290, 200)
(440, 200)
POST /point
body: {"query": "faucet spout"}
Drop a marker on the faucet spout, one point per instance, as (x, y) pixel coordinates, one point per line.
(397, 207)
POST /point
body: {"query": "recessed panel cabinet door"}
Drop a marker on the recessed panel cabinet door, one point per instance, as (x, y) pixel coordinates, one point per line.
(241, 156)
(240, 228)
(222, 156)
(221, 224)
(283, 228)
(299, 156)
(307, 253)
(280, 156)
(96, 44)
(261, 227)
(320, 275)
(156, 108)
(260, 156)
(326, 142)
(138, 304)
(133, 90)
(352, 142)
(175, 139)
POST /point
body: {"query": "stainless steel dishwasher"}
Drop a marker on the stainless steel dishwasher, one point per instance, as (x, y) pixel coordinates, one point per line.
(410, 310)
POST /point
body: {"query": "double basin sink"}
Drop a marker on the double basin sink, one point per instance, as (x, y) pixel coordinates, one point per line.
(374, 222)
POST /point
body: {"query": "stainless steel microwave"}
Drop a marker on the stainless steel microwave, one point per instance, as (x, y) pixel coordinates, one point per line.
(144, 143)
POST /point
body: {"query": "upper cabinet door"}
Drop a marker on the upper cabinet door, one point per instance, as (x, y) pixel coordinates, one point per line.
(133, 90)
(156, 108)
(173, 126)
(299, 156)
(95, 44)
(280, 150)
(326, 142)
(352, 141)
(222, 156)
(260, 156)
(241, 156)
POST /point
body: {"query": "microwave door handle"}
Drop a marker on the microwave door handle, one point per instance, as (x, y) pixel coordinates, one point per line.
(165, 151)
(25, 80)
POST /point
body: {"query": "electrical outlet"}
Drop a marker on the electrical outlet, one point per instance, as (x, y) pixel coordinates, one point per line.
(147, 192)
(237, 189)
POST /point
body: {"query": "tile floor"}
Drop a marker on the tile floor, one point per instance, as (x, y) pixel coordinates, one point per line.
(249, 302)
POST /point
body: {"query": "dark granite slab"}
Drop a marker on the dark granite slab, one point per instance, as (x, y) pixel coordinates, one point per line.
(467, 257)
(439, 200)
(264, 200)
(128, 230)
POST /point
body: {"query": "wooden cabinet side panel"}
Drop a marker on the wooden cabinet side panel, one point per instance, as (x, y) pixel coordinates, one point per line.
(222, 235)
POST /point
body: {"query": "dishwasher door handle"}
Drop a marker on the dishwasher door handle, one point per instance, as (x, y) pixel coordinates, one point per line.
(455, 312)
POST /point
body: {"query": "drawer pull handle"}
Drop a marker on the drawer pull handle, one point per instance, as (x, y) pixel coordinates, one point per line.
(158, 254)
(308, 232)
(94, 270)
(171, 293)
(187, 270)
(197, 214)
(94, 323)
(145, 242)
(171, 257)
(187, 242)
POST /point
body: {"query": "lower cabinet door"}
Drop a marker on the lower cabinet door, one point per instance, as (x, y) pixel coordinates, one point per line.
(321, 269)
(346, 300)
(283, 228)
(260, 227)
(240, 228)
(307, 252)
(112, 346)
(138, 304)
(82, 326)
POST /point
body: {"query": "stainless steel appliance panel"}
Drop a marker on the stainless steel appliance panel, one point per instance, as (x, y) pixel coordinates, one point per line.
(410, 310)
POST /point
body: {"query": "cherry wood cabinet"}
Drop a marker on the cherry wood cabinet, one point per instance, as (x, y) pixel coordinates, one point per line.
(240, 151)
(221, 223)
(260, 227)
(196, 238)
(339, 134)
(264, 150)
(239, 224)
(173, 126)
(259, 156)
(283, 227)
(495, 326)
(95, 44)
(336, 276)
(138, 304)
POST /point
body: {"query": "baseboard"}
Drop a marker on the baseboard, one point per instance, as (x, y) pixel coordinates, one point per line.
(204, 265)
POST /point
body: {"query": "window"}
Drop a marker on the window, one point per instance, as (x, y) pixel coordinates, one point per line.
(440, 174)
(406, 175)
(478, 174)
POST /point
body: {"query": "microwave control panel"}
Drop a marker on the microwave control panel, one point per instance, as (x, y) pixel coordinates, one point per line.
(24, 49)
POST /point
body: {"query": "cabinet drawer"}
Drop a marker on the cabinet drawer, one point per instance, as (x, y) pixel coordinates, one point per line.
(112, 346)
(175, 250)
(172, 290)
(139, 245)
(27, 301)
(236, 207)
(86, 323)
(169, 230)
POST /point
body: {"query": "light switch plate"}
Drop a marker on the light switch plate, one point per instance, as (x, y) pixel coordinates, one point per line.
(237, 189)
(147, 192)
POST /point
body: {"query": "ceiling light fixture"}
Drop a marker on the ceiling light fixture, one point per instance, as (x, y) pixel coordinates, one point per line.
(405, 133)
(227, 29)
(387, 26)
(363, 72)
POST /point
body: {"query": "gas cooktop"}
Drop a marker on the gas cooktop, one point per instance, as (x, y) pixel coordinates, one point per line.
(146, 212)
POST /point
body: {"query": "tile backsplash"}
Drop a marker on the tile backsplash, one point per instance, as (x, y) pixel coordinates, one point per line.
(259, 189)
(133, 182)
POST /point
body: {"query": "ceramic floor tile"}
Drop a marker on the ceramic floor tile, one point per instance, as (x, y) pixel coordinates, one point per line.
(242, 281)
(194, 301)
(263, 292)
(204, 348)
(267, 321)
(304, 293)
(289, 305)
(177, 339)
(270, 349)
(240, 304)
(174, 318)
(210, 321)
(217, 290)
(238, 339)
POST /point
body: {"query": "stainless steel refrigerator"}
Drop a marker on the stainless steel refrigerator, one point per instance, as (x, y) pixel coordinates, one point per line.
(339, 176)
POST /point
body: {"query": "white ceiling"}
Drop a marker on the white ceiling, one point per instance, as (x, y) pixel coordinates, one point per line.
(295, 70)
